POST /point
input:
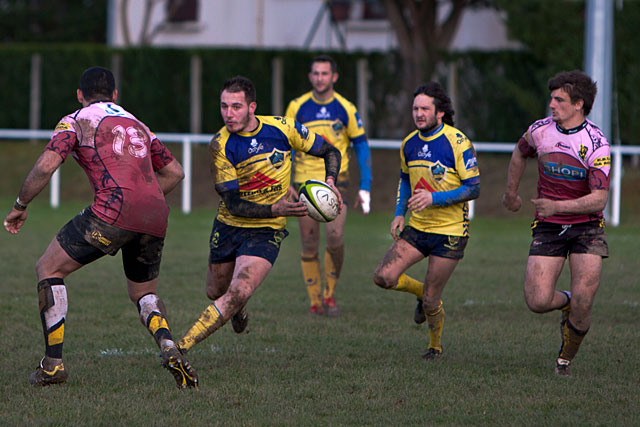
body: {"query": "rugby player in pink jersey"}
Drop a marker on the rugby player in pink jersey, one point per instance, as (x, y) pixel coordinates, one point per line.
(130, 171)
(573, 186)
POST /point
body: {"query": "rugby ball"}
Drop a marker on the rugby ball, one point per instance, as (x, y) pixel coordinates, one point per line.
(321, 201)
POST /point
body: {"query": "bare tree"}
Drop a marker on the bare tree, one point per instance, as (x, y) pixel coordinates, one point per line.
(423, 36)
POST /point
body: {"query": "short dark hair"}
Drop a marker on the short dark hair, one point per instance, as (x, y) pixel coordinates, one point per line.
(96, 83)
(326, 58)
(440, 100)
(578, 86)
(241, 84)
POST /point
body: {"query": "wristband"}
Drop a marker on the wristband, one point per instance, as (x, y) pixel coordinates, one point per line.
(19, 206)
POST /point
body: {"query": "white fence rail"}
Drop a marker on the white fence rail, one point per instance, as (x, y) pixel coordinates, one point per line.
(186, 139)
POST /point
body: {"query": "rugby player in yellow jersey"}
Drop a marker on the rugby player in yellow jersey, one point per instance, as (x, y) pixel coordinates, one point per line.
(251, 167)
(329, 114)
(439, 174)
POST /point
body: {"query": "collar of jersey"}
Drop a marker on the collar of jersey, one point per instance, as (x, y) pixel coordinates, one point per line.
(572, 130)
(253, 132)
(430, 136)
(100, 101)
(328, 101)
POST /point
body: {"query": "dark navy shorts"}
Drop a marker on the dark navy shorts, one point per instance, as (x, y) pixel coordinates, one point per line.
(228, 242)
(435, 244)
(560, 240)
(87, 238)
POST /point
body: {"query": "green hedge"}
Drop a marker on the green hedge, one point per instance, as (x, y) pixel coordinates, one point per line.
(499, 94)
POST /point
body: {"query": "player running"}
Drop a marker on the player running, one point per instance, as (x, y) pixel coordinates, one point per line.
(251, 167)
(329, 114)
(573, 187)
(439, 174)
(130, 171)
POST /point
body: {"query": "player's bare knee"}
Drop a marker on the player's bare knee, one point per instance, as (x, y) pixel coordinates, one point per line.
(383, 280)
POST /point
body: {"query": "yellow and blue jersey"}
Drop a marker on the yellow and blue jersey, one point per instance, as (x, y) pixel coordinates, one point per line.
(258, 164)
(440, 161)
(338, 121)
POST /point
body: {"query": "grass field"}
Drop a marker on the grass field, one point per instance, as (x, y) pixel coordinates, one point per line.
(291, 369)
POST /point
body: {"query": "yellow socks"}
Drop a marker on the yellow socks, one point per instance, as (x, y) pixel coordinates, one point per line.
(409, 284)
(333, 259)
(209, 321)
(435, 320)
(311, 274)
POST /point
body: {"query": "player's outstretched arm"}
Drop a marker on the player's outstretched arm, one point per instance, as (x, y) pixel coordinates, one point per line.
(169, 176)
(33, 184)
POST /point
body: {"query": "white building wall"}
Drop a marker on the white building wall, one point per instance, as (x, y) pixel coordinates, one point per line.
(287, 24)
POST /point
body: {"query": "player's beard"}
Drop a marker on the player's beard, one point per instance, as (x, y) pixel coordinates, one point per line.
(429, 125)
(241, 124)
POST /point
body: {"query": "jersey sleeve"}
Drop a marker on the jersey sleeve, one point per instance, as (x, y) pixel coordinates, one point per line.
(404, 168)
(291, 110)
(467, 163)
(600, 166)
(222, 170)
(355, 128)
(64, 138)
(301, 138)
(160, 154)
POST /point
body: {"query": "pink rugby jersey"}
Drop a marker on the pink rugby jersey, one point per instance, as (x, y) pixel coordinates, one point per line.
(571, 163)
(120, 155)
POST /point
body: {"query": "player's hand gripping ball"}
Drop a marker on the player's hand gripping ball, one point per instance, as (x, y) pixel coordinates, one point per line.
(320, 199)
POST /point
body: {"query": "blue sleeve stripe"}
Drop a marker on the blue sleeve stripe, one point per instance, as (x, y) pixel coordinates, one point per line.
(363, 155)
(404, 192)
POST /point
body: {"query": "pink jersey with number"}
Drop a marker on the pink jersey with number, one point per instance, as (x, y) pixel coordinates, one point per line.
(571, 163)
(120, 155)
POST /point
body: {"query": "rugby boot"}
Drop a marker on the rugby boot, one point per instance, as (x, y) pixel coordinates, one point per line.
(178, 365)
(240, 320)
(316, 310)
(330, 307)
(432, 354)
(563, 367)
(43, 377)
(418, 315)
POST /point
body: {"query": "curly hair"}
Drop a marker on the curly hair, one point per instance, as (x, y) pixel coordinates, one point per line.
(577, 85)
(440, 99)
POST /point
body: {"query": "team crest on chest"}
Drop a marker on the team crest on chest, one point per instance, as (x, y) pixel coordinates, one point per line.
(583, 152)
(277, 158)
(438, 171)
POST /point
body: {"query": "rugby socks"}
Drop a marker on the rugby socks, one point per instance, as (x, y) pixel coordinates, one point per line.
(333, 259)
(311, 274)
(53, 304)
(152, 316)
(409, 284)
(435, 320)
(571, 340)
(209, 321)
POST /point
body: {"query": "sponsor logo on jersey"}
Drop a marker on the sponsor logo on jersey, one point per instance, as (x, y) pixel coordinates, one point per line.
(276, 158)
(602, 162)
(582, 152)
(323, 114)
(257, 181)
(302, 130)
(563, 146)
(460, 138)
(469, 157)
(62, 126)
(358, 120)
(558, 170)
(424, 153)
(255, 146)
(438, 171)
